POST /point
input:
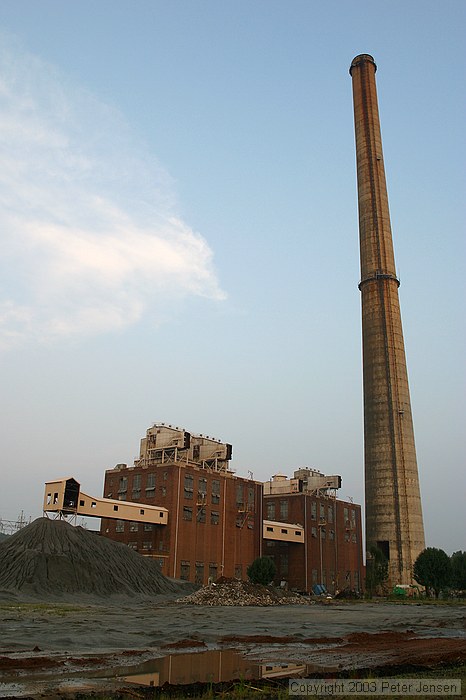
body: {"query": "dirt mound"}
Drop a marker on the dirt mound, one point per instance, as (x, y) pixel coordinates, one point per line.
(227, 591)
(53, 558)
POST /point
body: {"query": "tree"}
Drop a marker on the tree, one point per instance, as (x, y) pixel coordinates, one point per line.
(458, 570)
(432, 569)
(262, 570)
(376, 570)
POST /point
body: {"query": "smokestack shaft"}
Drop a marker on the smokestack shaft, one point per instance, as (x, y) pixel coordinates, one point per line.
(393, 505)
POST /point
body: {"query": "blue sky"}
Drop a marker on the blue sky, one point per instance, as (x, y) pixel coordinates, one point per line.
(180, 238)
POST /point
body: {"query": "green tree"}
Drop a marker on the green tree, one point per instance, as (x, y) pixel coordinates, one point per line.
(262, 570)
(376, 570)
(432, 569)
(458, 570)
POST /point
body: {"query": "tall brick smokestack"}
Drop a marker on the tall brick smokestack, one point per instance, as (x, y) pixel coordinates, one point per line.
(393, 503)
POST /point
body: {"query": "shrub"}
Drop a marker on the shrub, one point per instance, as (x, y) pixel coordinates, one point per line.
(262, 570)
(432, 569)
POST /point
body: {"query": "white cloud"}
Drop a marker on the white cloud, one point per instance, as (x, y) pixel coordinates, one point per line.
(91, 239)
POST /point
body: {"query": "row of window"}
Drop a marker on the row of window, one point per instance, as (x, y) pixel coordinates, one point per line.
(201, 489)
(280, 508)
(349, 536)
(199, 515)
(133, 526)
(136, 485)
(199, 568)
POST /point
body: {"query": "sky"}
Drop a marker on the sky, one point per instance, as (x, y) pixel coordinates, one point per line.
(178, 215)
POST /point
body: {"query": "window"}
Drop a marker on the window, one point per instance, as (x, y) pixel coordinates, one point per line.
(199, 577)
(314, 576)
(239, 495)
(201, 515)
(147, 545)
(322, 512)
(314, 532)
(133, 545)
(330, 514)
(238, 571)
(141, 511)
(133, 527)
(215, 491)
(150, 485)
(284, 564)
(313, 510)
(81, 503)
(185, 570)
(214, 517)
(331, 534)
(270, 543)
(284, 509)
(353, 518)
(322, 533)
(269, 529)
(115, 508)
(353, 537)
(250, 496)
(347, 536)
(188, 486)
(163, 490)
(270, 505)
(187, 513)
(202, 487)
(148, 527)
(136, 492)
(284, 531)
(298, 533)
(213, 568)
(123, 487)
(345, 516)
(120, 526)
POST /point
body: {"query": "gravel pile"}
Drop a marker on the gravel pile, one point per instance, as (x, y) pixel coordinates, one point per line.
(51, 558)
(233, 592)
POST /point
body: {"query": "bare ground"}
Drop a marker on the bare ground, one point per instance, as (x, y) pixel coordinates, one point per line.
(51, 648)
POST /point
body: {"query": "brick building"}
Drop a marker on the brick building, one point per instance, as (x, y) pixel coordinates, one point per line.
(218, 523)
(215, 517)
(330, 553)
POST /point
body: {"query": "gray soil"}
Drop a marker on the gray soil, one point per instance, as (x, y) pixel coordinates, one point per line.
(52, 560)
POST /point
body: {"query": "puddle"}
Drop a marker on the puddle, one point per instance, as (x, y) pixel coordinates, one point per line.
(205, 667)
(177, 669)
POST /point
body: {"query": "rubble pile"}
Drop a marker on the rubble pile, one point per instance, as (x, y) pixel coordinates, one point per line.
(51, 558)
(231, 591)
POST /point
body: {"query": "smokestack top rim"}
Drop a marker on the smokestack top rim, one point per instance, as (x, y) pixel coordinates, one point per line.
(362, 58)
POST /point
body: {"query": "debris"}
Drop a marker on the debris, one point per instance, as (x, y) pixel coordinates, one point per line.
(231, 591)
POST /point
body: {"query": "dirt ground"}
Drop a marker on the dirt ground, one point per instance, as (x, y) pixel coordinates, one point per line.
(48, 649)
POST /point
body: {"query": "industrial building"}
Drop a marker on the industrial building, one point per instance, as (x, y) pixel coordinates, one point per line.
(215, 517)
(331, 552)
(218, 522)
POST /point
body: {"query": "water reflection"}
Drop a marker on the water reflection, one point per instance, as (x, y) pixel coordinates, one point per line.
(204, 667)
